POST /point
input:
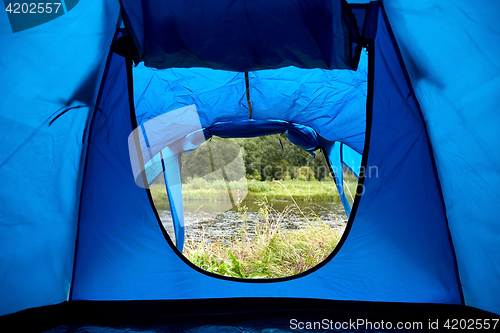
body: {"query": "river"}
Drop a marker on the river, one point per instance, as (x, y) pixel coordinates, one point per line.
(211, 220)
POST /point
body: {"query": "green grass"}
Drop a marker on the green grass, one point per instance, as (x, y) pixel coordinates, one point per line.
(200, 189)
(271, 252)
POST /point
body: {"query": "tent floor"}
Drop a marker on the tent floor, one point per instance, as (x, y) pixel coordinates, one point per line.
(248, 315)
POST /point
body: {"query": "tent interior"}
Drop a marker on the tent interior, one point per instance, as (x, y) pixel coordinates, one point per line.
(106, 99)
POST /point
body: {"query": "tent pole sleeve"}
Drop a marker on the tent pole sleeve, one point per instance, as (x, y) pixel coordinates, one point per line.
(172, 175)
(335, 159)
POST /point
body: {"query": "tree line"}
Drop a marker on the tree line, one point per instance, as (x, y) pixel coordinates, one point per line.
(271, 157)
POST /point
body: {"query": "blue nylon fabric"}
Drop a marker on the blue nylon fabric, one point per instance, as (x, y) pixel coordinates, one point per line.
(119, 236)
(339, 155)
(153, 167)
(334, 153)
(412, 243)
(451, 50)
(172, 176)
(332, 102)
(300, 135)
(121, 253)
(351, 159)
(197, 33)
(396, 250)
(44, 71)
(179, 130)
(182, 88)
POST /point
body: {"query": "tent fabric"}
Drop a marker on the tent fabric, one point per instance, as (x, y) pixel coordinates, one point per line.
(451, 49)
(50, 78)
(425, 229)
(180, 130)
(197, 34)
(330, 102)
(334, 153)
(340, 155)
(122, 253)
(172, 176)
(351, 159)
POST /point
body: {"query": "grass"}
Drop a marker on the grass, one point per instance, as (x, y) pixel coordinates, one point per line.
(271, 252)
(201, 189)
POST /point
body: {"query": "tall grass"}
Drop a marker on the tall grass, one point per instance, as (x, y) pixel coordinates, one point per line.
(271, 251)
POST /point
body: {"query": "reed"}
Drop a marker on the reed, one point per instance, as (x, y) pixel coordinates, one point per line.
(271, 251)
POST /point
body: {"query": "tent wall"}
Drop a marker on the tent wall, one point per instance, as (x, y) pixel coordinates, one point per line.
(395, 251)
(451, 50)
(45, 70)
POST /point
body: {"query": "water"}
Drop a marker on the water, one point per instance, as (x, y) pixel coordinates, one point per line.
(210, 220)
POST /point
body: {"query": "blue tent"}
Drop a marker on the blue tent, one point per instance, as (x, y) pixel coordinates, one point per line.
(409, 88)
